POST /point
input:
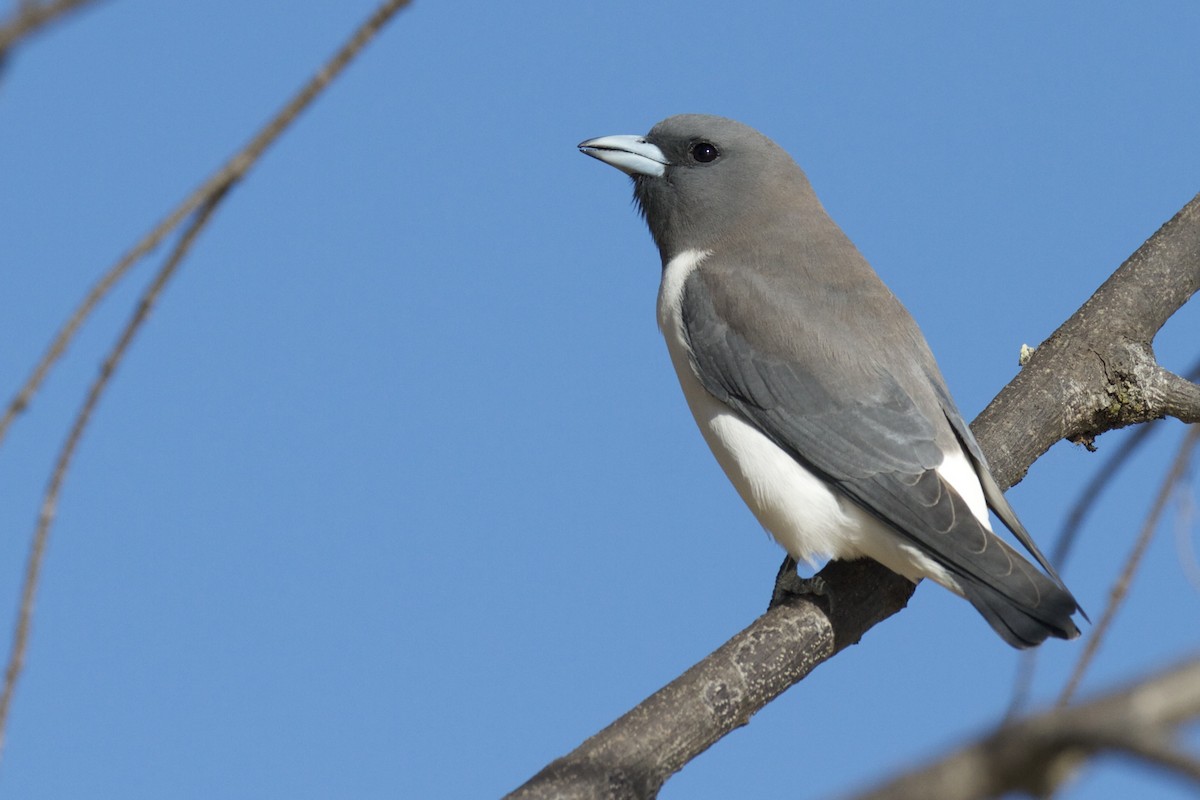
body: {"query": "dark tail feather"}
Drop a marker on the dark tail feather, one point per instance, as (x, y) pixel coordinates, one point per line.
(1020, 624)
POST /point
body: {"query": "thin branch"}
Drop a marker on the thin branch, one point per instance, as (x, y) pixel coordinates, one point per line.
(1034, 755)
(31, 17)
(1120, 589)
(1180, 397)
(200, 205)
(1027, 661)
(37, 550)
(233, 170)
(1185, 520)
(1083, 505)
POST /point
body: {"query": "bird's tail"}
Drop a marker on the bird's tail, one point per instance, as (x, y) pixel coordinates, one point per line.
(1023, 624)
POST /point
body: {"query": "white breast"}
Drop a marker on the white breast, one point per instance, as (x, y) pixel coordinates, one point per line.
(802, 512)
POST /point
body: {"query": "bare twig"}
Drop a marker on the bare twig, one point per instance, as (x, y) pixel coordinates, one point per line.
(1120, 589)
(1034, 755)
(1185, 521)
(1027, 661)
(233, 170)
(1095, 487)
(1100, 481)
(31, 17)
(37, 550)
(200, 204)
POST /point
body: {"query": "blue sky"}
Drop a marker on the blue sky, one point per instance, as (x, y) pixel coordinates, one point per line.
(397, 494)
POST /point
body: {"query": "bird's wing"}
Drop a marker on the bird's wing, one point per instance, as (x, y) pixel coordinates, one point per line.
(859, 429)
(991, 490)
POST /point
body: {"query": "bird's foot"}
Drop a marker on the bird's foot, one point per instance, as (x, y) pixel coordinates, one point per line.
(789, 584)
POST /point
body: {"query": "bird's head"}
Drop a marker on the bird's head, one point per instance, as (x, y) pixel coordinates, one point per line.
(697, 178)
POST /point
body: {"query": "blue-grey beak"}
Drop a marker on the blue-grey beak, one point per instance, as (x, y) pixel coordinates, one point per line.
(633, 155)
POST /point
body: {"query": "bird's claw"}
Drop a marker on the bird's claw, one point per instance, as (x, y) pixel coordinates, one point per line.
(789, 584)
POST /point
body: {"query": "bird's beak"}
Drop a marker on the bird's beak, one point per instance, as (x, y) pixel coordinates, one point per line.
(633, 155)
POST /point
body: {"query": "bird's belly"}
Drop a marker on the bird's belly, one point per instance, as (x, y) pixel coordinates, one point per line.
(804, 514)
(796, 507)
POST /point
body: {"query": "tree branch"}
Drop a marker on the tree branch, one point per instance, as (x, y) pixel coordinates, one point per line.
(635, 755)
(231, 172)
(1036, 754)
(1120, 589)
(1095, 373)
(41, 534)
(1084, 503)
(31, 17)
(1180, 397)
(198, 207)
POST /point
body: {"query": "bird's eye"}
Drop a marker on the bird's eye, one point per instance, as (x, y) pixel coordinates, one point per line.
(704, 152)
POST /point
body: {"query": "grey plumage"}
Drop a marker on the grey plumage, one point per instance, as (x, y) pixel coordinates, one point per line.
(779, 327)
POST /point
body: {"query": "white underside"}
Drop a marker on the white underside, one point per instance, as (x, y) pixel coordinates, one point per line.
(803, 513)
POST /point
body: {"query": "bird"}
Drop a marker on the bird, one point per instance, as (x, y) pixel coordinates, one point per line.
(811, 382)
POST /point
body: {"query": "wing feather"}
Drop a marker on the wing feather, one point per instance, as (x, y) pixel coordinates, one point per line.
(864, 433)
